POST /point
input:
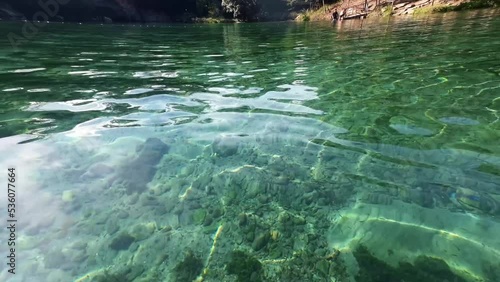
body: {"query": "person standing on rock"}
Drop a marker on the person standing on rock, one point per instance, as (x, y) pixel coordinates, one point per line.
(335, 15)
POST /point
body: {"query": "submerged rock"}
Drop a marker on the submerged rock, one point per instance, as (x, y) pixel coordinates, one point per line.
(97, 170)
(372, 269)
(143, 231)
(245, 267)
(199, 216)
(135, 174)
(474, 200)
(225, 146)
(121, 242)
(261, 241)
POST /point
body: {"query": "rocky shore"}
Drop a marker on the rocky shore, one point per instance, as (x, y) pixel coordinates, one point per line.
(384, 8)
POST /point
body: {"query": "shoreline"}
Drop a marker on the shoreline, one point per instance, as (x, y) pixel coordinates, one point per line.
(381, 8)
(318, 15)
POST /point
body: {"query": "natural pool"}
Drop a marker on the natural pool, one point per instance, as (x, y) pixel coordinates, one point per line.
(254, 152)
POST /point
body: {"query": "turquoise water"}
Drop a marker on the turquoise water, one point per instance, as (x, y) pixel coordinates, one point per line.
(366, 151)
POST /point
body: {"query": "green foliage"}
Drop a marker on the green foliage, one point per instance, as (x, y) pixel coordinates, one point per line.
(246, 10)
(245, 267)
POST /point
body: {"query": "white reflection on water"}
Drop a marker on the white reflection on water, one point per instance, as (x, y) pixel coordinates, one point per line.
(215, 102)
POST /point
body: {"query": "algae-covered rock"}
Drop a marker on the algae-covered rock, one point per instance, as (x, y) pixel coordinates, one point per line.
(208, 220)
(242, 219)
(198, 216)
(142, 231)
(121, 242)
(254, 188)
(135, 174)
(261, 241)
(323, 267)
(474, 200)
(225, 146)
(217, 212)
(245, 267)
(424, 269)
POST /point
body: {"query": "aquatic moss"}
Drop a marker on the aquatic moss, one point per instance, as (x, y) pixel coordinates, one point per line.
(188, 269)
(424, 269)
(245, 267)
(199, 216)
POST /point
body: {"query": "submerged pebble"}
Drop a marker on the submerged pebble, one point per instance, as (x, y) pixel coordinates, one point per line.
(261, 241)
(225, 146)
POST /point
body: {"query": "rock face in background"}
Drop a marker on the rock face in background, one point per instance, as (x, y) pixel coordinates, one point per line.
(99, 10)
(105, 11)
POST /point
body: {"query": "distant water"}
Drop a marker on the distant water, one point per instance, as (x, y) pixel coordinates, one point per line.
(255, 152)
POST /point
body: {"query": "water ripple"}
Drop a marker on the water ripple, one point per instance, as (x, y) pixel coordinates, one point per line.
(28, 70)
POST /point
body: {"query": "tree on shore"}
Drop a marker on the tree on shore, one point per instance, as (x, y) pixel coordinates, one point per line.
(246, 10)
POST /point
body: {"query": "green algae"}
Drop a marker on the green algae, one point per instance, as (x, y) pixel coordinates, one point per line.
(199, 216)
(245, 267)
(188, 269)
(423, 269)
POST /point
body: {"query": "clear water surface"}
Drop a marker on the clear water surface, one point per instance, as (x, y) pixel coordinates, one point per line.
(253, 152)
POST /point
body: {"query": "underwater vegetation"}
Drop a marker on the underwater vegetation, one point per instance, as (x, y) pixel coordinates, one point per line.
(245, 267)
(424, 269)
(188, 269)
